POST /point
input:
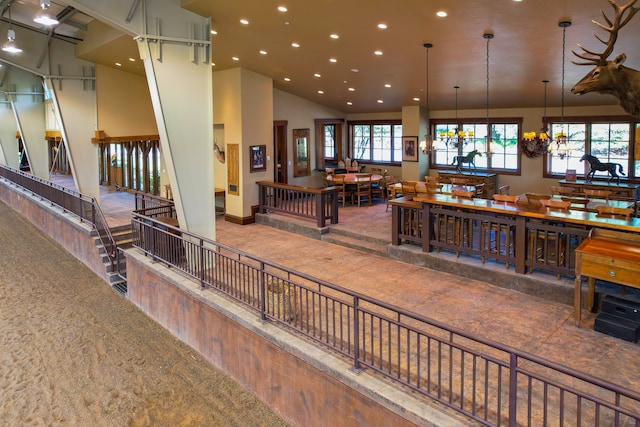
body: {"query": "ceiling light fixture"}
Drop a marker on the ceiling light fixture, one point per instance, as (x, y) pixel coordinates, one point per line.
(427, 145)
(488, 36)
(455, 137)
(10, 45)
(562, 146)
(43, 16)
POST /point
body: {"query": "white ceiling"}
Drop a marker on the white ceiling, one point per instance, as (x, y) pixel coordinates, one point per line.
(526, 49)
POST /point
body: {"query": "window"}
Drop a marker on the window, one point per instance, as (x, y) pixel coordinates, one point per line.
(453, 138)
(376, 142)
(608, 139)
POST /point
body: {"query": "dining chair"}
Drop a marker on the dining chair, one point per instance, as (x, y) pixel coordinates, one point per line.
(577, 203)
(534, 198)
(605, 211)
(558, 190)
(363, 188)
(597, 194)
(433, 188)
(379, 188)
(325, 180)
(479, 190)
(463, 194)
(546, 246)
(378, 171)
(431, 178)
(460, 228)
(497, 237)
(353, 169)
(343, 193)
(504, 189)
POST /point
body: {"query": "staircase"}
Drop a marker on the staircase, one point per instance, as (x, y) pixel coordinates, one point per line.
(122, 236)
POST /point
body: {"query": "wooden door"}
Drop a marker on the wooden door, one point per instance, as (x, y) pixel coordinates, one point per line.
(280, 159)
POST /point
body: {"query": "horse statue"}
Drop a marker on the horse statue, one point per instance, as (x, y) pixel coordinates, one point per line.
(597, 165)
(468, 158)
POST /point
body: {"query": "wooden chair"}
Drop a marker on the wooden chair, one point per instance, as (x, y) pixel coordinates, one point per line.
(558, 190)
(597, 194)
(363, 188)
(379, 188)
(504, 189)
(353, 169)
(408, 189)
(325, 180)
(378, 171)
(463, 194)
(534, 198)
(343, 193)
(460, 229)
(459, 181)
(546, 246)
(496, 237)
(433, 188)
(577, 203)
(432, 179)
(605, 211)
(479, 190)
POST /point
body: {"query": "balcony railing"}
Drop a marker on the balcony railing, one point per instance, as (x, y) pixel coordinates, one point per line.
(320, 204)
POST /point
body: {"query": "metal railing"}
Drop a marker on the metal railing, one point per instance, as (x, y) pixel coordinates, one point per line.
(82, 206)
(320, 204)
(528, 244)
(491, 383)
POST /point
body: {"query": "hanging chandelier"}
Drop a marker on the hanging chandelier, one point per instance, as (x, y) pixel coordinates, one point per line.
(456, 137)
(561, 148)
(428, 145)
(488, 36)
(534, 144)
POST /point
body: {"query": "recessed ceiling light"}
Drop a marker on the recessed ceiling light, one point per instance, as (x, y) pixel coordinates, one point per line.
(287, 79)
(334, 60)
(351, 89)
(416, 99)
(263, 52)
(441, 13)
(355, 70)
(214, 32)
(378, 52)
(379, 101)
(334, 36)
(317, 75)
(282, 8)
(387, 85)
(244, 21)
(349, 103)
(213, 64)
(382, 26)
(132, 59)
(235, 58)
(118, 64)
(321, 92)
(295, 44)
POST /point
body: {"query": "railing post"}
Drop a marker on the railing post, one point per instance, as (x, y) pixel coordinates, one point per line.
(321, 218)
(513, 390)
(395, 225)
(263, 293)
(356, 334)
(426, 227)
(202, 269)
(521, 244)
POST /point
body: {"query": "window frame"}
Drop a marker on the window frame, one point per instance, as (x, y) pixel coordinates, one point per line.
(396, 141)
(460, 122)
(588, 121)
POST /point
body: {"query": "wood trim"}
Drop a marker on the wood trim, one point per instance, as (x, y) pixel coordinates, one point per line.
(101, 138)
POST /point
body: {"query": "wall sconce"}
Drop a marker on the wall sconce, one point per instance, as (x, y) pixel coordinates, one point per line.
(43, 17)
(428, 145)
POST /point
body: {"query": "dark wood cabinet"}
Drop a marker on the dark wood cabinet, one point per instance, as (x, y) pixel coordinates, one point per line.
(623, 191)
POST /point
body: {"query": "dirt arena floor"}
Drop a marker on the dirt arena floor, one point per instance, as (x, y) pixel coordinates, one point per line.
(73, 352)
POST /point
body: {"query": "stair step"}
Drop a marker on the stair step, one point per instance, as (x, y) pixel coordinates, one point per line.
(354, 243)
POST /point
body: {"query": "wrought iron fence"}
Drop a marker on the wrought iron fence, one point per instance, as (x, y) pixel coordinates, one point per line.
(484, 380)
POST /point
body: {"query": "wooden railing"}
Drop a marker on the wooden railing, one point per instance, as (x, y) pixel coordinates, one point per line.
(320, 204)
(491, 383)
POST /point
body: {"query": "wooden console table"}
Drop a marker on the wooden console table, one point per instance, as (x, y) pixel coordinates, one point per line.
(608, 255)
(623, 191)
(489, 180)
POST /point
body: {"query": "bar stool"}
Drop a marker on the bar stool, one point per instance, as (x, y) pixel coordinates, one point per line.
(495, 232)
(454, 230)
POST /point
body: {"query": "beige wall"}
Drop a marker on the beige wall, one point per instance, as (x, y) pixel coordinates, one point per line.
(124, 103)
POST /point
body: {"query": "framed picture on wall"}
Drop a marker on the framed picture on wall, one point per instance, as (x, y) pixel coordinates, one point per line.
(409, 148)
(258, 156)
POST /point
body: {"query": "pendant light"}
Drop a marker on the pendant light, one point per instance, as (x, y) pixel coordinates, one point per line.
(427, 145)
(562, 147)
(10, 45)
(488, 36)
(43, 16)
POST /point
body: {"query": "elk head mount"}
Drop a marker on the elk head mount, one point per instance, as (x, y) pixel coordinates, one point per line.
(611, 77)
(218, 152)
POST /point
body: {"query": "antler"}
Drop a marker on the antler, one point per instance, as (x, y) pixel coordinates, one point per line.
(619, 21)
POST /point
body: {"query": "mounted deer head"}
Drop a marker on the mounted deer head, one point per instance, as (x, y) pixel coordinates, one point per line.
(611, 77)
(218, 152)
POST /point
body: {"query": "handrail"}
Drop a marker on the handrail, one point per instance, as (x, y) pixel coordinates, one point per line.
(320, 204)
(84, 207)
(489, 382)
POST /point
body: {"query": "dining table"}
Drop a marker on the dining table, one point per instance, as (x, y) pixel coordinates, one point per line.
(591, 206)
(421, 187)
(352, 178)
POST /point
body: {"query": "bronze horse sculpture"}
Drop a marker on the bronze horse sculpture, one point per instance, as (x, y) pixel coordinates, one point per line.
(597, 165)
(468, 158)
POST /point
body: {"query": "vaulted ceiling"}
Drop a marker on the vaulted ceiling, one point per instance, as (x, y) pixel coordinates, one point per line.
(526, 49)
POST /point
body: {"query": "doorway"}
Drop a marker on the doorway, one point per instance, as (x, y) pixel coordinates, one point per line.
(281, 171)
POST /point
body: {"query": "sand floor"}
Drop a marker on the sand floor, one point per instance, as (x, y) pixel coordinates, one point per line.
(73, 352)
